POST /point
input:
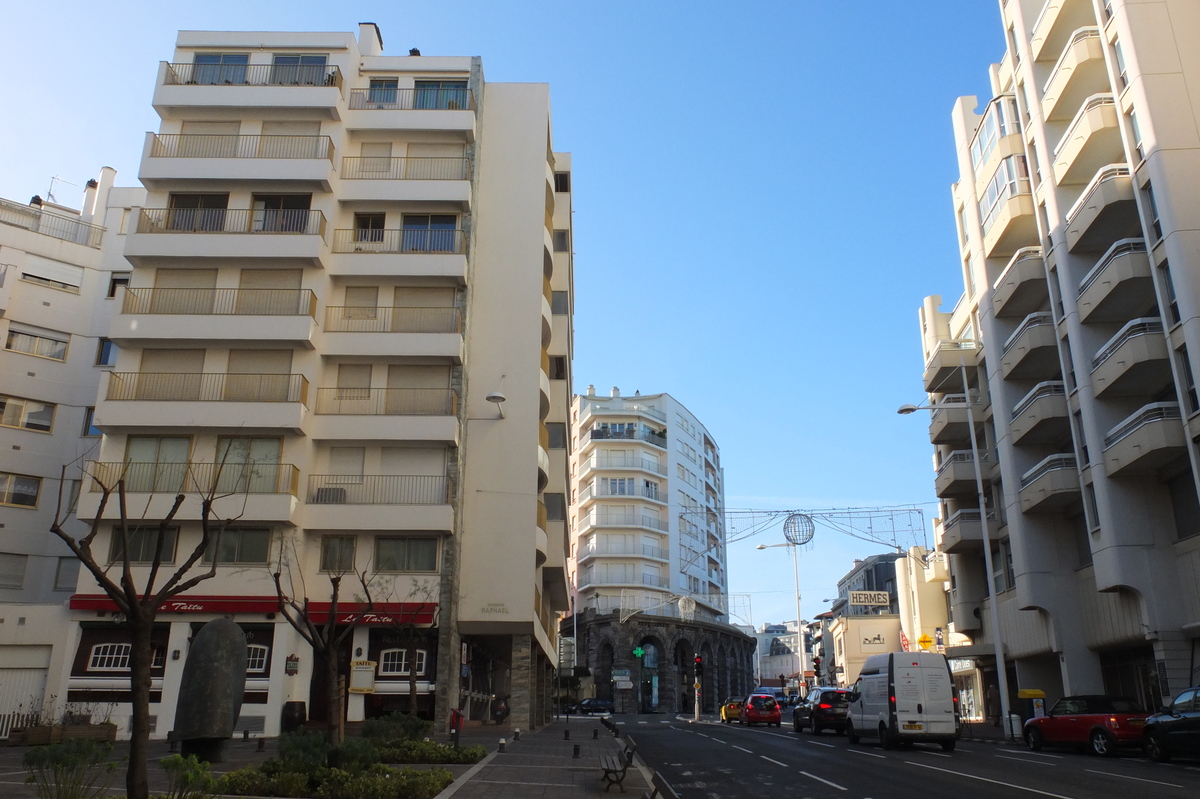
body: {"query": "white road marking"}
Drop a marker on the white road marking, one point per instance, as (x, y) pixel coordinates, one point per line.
(935, 754)
(1038, 754)
(986, 779)
(1125, 777)
(868, 754)
(702, 735)
(1023, 760)
(818, 779)
(747, 751)
(818, 743)
(643, 722)
(776, 762)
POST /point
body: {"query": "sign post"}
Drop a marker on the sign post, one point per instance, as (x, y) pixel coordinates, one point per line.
(696, 715)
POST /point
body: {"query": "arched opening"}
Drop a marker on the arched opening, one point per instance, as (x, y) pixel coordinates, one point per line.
(684, 662)
(648, 676)
(603, 676)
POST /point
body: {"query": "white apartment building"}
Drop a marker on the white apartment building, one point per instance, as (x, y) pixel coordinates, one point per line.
(61, 270)
(350, 314)
(1076, 207)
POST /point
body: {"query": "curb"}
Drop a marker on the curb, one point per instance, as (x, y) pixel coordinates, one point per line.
(462, 780)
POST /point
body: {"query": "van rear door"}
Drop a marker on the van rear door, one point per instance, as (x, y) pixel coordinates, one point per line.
(909, 685)
(939, 697)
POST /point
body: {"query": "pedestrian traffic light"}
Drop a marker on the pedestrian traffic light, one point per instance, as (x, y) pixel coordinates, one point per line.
(816, 661)
(699, 667)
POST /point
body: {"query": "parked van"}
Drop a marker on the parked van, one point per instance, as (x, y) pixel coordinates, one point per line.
(903, 697)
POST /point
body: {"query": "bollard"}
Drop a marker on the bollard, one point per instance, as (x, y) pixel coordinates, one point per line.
(576, 754)
(454, 738)
(566, 735)
(501, 744)
(517, 734)
(262, 745)
(245, 735)
(174, 745)
(595, 734)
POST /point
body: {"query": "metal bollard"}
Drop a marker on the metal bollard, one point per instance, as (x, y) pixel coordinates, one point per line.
(595, 734)
(454, 738)
(576, 754)
(245, 735)
(262, 745)
(502, 745)
(517, 734)
(566, 735)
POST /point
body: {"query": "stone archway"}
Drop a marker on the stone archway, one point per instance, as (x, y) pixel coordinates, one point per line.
(708, 702)
(648, 682)
(603, 675)
(683, 659)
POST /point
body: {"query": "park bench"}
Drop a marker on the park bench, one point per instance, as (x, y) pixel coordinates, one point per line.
(616, 766)
(662, 789)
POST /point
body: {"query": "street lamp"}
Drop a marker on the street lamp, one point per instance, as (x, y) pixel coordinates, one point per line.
(993, 609)
(798, 535)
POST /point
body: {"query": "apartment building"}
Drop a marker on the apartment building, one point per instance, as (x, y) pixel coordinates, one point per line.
(648, 538)
(349, 316)
(60, 272)
(1076, 333)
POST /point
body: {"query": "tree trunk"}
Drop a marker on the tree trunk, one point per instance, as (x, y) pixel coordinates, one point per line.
(140, 655)
(336, 711)
(412, 676)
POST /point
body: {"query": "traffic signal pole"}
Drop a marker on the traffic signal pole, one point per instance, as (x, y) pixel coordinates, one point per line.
(699, 672)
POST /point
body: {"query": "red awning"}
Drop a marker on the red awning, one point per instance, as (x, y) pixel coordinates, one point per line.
(383, 613)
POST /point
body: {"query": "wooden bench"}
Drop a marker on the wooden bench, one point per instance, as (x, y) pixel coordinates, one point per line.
(616, 766)
(662, 790)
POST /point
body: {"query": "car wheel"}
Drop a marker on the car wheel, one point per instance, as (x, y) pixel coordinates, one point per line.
(1101, 743)
(1156, 750)
(948, 746)
(851, 735)
(797, 726)
(885, 738)
(816, 730)
(1034, 739)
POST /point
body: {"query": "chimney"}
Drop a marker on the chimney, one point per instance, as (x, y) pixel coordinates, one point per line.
(591, 392)
(370, 40)
(89, 201)
(96, 204)
(414, 52)
(616, 392)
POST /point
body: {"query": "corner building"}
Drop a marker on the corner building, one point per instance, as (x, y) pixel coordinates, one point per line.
(350, 312)
(1077, 216)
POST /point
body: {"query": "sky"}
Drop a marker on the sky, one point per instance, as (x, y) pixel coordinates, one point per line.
(761, 196)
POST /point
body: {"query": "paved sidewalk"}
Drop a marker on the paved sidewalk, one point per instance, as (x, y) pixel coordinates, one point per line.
(541, 765)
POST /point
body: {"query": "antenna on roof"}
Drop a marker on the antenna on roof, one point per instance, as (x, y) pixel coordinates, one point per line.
(50, 191)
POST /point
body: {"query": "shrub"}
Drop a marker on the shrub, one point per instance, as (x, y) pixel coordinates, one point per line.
(245, 782)
(291, 783)
(396, 727)
(339, 784)
(76, 769)
(430, 752)
(414, 784)
(354, 755)
(187, 777)
(305, 751)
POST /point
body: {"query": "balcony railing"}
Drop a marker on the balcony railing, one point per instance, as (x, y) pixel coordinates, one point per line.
(1132, 329)
(380, 168)
(1092, 103)
(1047, 465)
(378, 489)
(253, 75)
(1033, 320)
(221, 302)
(1020, 255)
(387, 401)
(952, 345)
(629, 435)
(386, 99)
(56, 226)
(952, 402)
(441, 242)
(645, 550)
(175, 478)
(1122, 247)
(646, 492)
(624, 520)
(385, 319)
(1048, 388)
(231, 220)
(626, 408)
(961, 456)
(655, 580)
(968, 515)
(1154, 412)
(208, 387)
(632, 461)
(1110, 172)
(1083, 34)
(202, 145)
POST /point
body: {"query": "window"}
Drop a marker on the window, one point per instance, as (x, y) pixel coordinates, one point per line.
(197, 212)
(562, 241)
(556, 507)
(241, 545)
(12, 570)
(382, 91)
(562, 181)
(250, 464)
(1137, 137)
(43, 344)
(89, 423)
(369, 227)
(19, 490)
(440, 94)
(156, 463)
(106, 353)
(558, 367)
(1122, 72)
(337, 553)
(66, 574)
(430, 233)
(110, 657)
(158, 657)
(1080, 438)
(26, 414)
(281, 213)
(116, 281)
(73, 489)
(557, 433)
(142, 541)
(394, 662)
(1190, 399)
(406, 554)
(1002, 567)
(220, 68)
(560, 303)
(1169, 290)
(1011, 178)
(1155, 222)
(999, 120)
(299, 70)
(256, 658)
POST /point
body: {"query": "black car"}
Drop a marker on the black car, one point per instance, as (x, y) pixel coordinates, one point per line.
(589, 706)
(1174, 730)
(823, 708)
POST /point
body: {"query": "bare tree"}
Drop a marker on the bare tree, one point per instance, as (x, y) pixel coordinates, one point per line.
(406, 623)
(139, 603)
(325, 637)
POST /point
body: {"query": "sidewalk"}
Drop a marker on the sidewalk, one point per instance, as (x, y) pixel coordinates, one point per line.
(541, 765)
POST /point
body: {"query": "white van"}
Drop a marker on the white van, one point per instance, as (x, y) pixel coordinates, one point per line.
(903, 697)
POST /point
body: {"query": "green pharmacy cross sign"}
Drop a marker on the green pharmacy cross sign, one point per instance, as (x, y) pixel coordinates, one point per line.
(638, 651)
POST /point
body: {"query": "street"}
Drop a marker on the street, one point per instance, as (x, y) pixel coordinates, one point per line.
(713, 760)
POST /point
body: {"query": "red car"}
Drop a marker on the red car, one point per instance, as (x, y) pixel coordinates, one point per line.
(760, 709)
(1099, 723)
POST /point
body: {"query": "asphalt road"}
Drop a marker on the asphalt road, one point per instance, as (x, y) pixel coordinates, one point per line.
(713, 760)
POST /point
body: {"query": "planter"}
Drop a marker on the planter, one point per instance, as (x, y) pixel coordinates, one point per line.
(101, 732)
(44, 734)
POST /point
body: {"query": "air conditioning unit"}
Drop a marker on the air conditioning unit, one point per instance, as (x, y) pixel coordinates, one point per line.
(329, 496)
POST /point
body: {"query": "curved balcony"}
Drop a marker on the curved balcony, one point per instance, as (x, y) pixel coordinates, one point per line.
(1051, 485)
(1149, 439)
(1119, 286)
(623, 551)
(188, 315)
(543, 457)
(613, 519)
(593, 492)
(1056, 24)
(943, 364)
(172, 160)
(1021, 288)
(948, 424)
(1134, 362)
(956, 475)
(1105, 212)
(1079, 73)
(1032, 350)
(963, 532)
(609, 434)
(1041, 416)
(1092, 140)
(624, 460)
(1009, 219)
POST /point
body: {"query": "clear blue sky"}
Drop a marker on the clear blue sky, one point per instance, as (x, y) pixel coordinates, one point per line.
(761, 203)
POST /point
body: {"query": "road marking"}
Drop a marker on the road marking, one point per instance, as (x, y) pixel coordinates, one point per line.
(986, 779)
(818, 779)
(747, 751)
(935, 754)
(776, 762)
(818, 743)
(702, 735)
(1038, 754)
(1023, 760)
(1125, 777)
(868, 754)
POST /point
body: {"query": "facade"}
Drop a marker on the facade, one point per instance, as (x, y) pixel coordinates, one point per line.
(648, 528)
(779, 652)
(60, 273)
(349, 315)
(876, 574)
(857, 631)
(1076, 333)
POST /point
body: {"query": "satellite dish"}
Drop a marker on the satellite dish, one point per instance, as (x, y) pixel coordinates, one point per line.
(798, 529)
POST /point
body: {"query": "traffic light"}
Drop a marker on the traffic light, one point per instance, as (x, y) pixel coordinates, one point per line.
(816, 661)
(699, 667)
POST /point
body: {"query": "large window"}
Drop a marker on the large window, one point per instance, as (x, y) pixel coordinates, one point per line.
(26, 414)
(999, 120)
(66, 574)
(1011, 178)
(42, 343)
(106, 353)
(337, 553)
(299, 70)
(220, 68)
(109, 657)
(197, 212)
(12, 569)
(240, 545)
(156, 463)
(410, 554)
(443, 94)
(249, 464)
(142, 541)
(394, 662)
(20, 490)
(429, 233)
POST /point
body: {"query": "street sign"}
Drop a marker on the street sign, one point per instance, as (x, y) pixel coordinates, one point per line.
(624, 684)
(925, 641)
(619, 673)
(870, 598)
(696, 686)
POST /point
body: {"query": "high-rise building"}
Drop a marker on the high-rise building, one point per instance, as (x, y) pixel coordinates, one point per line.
(1076, 211)
(648, 539)
(349, 315)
